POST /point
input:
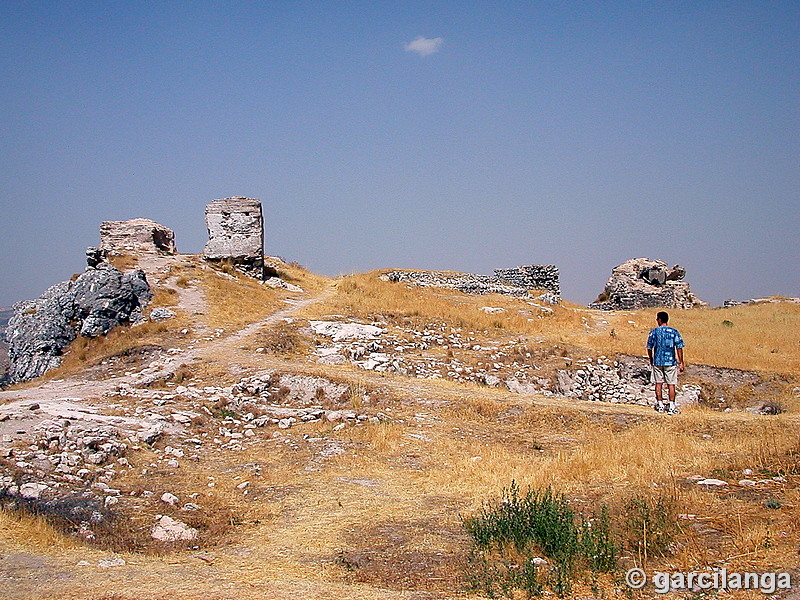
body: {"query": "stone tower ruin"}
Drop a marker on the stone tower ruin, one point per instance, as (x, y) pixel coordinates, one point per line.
(236, 234)
(136, 235)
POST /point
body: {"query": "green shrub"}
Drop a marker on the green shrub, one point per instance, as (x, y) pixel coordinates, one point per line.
(508, 535)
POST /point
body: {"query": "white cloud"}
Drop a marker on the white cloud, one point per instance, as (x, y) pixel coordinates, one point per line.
(424, 46)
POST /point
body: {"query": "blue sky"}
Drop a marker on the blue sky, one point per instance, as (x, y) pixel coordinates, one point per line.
(573, 133)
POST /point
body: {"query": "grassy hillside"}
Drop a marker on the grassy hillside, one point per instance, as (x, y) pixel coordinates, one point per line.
(388, 505)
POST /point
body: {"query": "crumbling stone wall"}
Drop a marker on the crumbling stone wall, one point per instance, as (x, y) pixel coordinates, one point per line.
(236, 234)
(136, 235)
(644, 283)
(535, 277)
(510, 282)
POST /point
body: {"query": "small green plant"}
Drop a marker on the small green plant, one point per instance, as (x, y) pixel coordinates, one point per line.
(773, 503)
(509, 536)
(650, 526)
(727, 323)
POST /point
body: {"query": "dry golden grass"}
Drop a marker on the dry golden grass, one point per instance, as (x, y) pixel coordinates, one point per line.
(365, 296)
(383, 518)
(123, 262)
(760, 337)
(34, 533)
(235, 300)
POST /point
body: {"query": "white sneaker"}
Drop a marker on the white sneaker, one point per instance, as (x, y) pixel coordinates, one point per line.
(673, 411)
(660, 407)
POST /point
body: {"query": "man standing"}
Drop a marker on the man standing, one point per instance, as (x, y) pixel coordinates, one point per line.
(662, 345)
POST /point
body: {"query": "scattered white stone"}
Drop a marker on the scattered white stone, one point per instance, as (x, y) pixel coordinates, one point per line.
(106, 563)
(32, 491)
(492, 309)
(345, 331)
(168, 529)
(277, 282)
(747, 483)
(170, 499)
(712, 482)
(111, 501)
(161, 314)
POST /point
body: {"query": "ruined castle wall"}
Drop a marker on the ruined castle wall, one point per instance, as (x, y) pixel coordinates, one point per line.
(136, 235)
(535, 277)
(236, 234)
(509, 282)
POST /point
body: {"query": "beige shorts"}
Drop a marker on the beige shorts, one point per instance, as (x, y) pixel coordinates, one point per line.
(668, 375)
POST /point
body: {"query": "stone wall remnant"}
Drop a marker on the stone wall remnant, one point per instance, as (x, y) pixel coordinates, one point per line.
(509, 282)
(532, 277)
(136, 235)
(644, 283)
(98, 300)
(236, 234)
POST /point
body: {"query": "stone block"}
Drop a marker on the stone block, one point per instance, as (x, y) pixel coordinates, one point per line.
(136, 235)
(236, 234)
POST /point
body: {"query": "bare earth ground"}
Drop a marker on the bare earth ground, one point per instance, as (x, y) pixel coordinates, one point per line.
(374, 510)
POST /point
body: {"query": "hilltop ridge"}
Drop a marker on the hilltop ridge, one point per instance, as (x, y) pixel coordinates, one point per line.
(306, 436)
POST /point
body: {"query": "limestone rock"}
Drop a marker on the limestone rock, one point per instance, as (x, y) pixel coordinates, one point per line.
(712, 482)
(168, 529)
(108, 563)
(136, 235)
(644, 283)
(345, 331)
(40, 330)
(161, 314)
(169, 498)
(236, 234)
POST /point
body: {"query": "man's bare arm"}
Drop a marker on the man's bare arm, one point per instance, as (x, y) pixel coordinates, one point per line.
(650, 355)
(681, 366)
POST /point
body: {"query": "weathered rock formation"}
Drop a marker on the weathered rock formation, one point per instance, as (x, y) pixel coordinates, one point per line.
(5, 315)
(236, 234)
(644, 283)
(510, 282)
(136, 235)
(99, 299)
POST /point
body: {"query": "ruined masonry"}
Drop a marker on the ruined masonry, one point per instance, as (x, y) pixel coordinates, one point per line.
(532, 277)
(236, 234)
(510, 282)
(136, 235)
(644, 283)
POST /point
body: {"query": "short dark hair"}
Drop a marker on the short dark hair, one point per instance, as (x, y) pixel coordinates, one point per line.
(663, 317)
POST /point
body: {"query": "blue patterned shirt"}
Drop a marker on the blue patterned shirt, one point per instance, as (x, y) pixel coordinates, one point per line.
(664, 340)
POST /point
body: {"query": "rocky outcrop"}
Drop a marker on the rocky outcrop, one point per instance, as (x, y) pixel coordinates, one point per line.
(644, 283)
(135, 236)
(5, 315)
(236, 234)
(98, 300)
